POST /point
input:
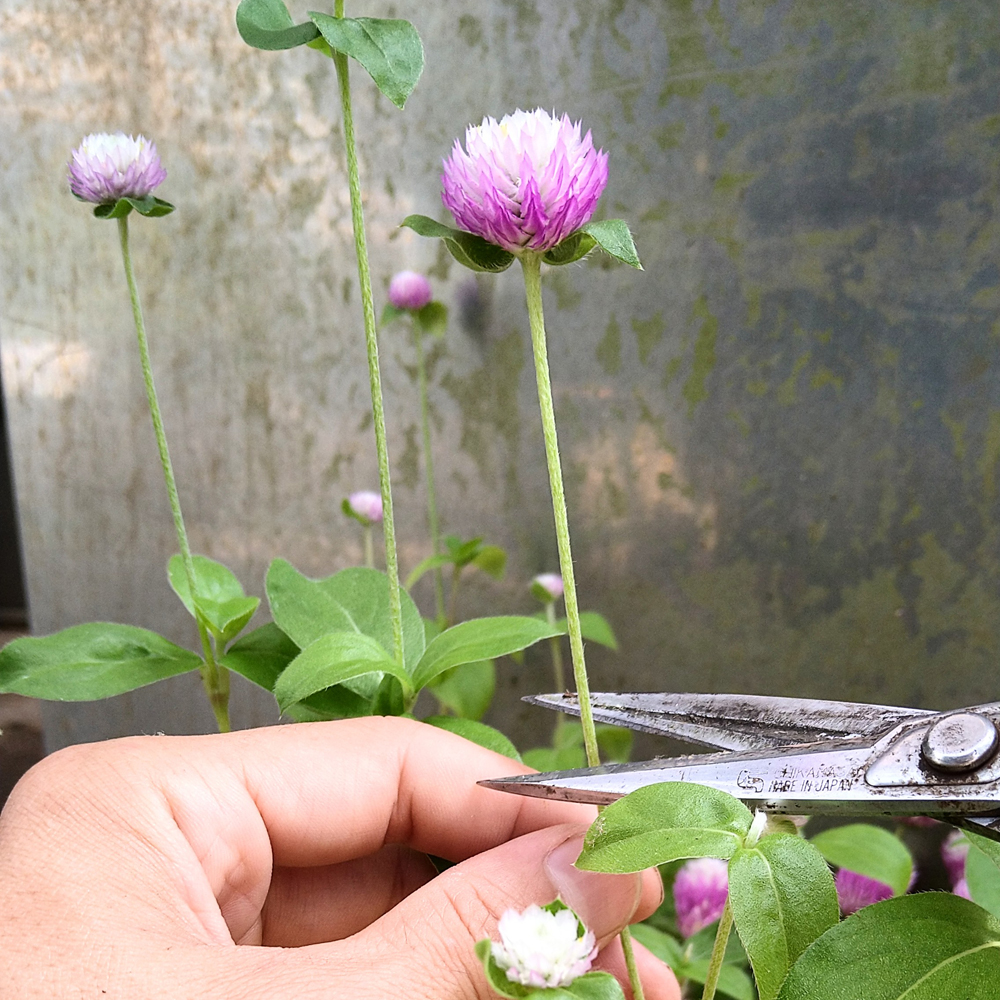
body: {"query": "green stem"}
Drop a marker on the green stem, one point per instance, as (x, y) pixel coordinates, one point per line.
(633, 970)
(718, 952)
(531, 264)
(369, 546)
(214, 677)
(432, 516)
(368, 305)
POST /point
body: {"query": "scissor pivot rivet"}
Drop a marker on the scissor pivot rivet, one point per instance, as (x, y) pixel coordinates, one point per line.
(959, 742)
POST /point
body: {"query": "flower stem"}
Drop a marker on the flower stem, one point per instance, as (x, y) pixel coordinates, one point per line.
(633, 971)
(369, 546)
(371, 340)
(531, 264)
(432, 516)
(214, 678)
(555, 646)
(718, 952)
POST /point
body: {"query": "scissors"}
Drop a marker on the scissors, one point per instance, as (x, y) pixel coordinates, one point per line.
(798, 756)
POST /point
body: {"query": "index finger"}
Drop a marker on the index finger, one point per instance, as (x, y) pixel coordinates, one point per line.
(332, 791)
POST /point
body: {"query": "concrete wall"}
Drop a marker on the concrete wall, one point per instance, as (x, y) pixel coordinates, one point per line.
(781, 439)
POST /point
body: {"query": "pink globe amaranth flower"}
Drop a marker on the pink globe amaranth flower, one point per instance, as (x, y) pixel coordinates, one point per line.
(551, 583)
(367, 505)
(855, 890)
(409, 290)
(106, 167)
(954, 851)
(700, 890)
(543, 949)
(525, 182)
(961, 888)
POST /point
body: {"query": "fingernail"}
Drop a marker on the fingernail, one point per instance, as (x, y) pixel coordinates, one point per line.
(605, 903)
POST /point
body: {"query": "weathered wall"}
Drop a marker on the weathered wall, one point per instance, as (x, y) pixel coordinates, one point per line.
(781, 439)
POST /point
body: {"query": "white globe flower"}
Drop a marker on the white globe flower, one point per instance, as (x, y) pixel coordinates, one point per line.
(543, 949)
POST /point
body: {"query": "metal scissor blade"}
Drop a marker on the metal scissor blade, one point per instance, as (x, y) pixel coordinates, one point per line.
(822, 779)
(737, 721)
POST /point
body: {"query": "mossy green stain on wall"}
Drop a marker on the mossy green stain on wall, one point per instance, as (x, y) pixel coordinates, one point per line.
(609, 348)
(695, 389)
(648, 333)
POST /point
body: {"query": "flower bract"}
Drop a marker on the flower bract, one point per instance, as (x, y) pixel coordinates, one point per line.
(525, 182)
(543, 949)
(366, 506)
(700, 890)
(547, 586)
(409, 290)
(109, 166)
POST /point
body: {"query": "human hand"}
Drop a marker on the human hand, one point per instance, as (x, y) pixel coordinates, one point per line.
(148, 868)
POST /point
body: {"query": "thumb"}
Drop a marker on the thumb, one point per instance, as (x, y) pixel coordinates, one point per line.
(431, 934)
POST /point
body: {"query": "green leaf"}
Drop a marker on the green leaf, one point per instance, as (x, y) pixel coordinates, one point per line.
(469, 250)
(221, 601)
(424, 565)
(555, 758)
(491, 559)
(666, 948)
(261, 655)
(476, 732)
(478, 639)
(989, 847)
(663, 822)
(333, 659)
(149, 206)
(614, 238)
(466, 690)
(783, 898)
(390, 50)
(615, 743)
(390, 314)
(433, 319)
(983, 879)
(868, 850)
(594, 628)
(575, 246)
(592, 986)
(266, 24)
(89, 662)
(355, 599)
(927, 946)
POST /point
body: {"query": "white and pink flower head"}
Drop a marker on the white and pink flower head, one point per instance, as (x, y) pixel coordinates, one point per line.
(525, 182)
(106, 167)
(542, 948)
(547, 587)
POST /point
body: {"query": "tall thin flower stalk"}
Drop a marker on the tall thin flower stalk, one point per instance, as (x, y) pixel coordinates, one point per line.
(371, 340)
(214, 677)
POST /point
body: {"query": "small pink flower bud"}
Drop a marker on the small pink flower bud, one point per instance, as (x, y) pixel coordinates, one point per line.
(409, 290)
(107, 167)
(366, 505)
(700, 890)
(550, 584)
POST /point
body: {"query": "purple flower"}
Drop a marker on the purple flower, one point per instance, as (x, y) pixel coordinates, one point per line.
(700, 890)
(550, 585)
(107, 167)
(366, 506)
(961, 888)
(855, 891)
(409, 290)
(525, 182)
(954, 851)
